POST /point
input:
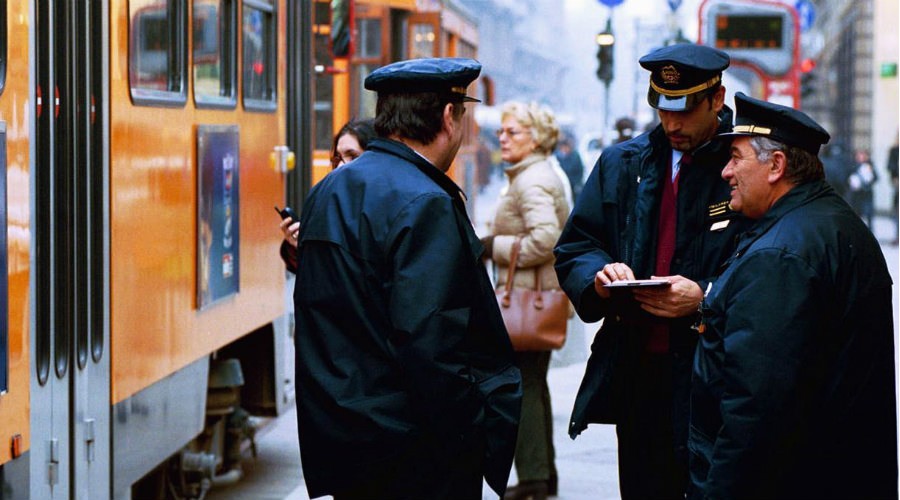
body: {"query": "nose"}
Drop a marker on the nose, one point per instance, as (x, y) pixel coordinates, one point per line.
(727, 170)
(670, 120)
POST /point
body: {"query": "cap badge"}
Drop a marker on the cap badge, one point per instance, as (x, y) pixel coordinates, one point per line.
(670, 75)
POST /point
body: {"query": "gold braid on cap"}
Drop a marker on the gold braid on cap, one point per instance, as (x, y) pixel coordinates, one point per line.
(458, 90)
(678, 93)
(752, 129)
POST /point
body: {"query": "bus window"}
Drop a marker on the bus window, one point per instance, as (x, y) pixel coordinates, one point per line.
(259, 55)
(156, 53)
(215, 52)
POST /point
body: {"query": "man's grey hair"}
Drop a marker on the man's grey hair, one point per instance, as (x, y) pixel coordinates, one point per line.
(802, 166)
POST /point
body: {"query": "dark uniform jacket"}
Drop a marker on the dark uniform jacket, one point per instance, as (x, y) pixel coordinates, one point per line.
(402, 356)
(615, 220)
(794, 391)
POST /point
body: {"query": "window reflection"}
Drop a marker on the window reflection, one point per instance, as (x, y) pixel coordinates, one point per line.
(258, 54)
(213, 49)
(150, 50)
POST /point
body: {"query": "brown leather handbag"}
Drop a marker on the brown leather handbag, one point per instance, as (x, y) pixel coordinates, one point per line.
(535, 319)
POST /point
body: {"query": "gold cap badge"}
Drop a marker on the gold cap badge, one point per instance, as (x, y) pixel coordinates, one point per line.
(670, 75)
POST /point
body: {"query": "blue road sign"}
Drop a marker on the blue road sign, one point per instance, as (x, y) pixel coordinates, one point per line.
(674, 4)
(806, 13)
(611, 3)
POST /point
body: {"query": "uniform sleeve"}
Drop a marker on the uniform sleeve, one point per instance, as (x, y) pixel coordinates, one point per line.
(580, 249)
(430, 307)
(771, 366)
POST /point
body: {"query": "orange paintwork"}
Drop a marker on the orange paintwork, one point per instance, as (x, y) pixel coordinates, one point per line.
(14, 110)
(156, 327)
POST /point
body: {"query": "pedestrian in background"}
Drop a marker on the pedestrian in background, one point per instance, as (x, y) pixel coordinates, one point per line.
(350, 142)
(624, 129)
(654, 205)
(532, 209)
(892, 171)
(861, 183)
(837, 167)
(571, 164)
(794, 392)
(406, 383)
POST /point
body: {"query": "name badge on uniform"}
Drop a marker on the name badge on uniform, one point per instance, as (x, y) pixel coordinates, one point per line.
(718, 226)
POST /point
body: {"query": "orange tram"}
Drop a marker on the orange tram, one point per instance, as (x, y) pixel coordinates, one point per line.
(146, 330)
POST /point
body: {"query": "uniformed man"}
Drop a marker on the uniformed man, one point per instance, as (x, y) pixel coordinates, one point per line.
(406, 386)
(654, 205)
(794, 393)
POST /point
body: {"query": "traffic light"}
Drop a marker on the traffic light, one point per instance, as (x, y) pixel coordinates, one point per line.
(605, 43)
(808, 84)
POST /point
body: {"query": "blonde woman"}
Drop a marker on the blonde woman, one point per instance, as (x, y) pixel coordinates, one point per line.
(533, 207)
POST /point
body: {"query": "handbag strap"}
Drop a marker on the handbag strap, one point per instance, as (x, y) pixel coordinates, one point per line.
(510, 274)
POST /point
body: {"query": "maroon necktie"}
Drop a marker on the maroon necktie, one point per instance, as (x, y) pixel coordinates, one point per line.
(658, 341)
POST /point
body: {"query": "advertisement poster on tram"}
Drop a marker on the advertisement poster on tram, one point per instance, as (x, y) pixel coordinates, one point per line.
(218, 213)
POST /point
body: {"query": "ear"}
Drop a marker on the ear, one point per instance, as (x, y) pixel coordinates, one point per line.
(448, 123)
(779, 167)
(718, 101)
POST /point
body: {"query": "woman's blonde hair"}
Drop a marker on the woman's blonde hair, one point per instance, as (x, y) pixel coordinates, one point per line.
(540, 119)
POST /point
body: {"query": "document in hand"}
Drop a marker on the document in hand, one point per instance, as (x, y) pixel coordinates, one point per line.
(637, 283)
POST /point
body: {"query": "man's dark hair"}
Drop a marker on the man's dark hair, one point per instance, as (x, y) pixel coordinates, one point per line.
(415, 116)
(711, 93)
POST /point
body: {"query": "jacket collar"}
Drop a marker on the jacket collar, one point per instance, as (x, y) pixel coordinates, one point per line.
(529, 160)
(397, 148)
(798, 196)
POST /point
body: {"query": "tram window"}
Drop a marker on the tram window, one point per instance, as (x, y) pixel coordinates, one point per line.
(369, 30)
(259, 55)
(465, 49)
(157, 52)
(215, 53)
(324, 91)
(424, 40)
(3, 45)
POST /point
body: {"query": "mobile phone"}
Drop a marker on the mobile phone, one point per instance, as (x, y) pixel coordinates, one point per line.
(287, 213)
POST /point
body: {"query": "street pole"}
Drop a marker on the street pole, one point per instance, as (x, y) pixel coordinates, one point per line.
(606, 126)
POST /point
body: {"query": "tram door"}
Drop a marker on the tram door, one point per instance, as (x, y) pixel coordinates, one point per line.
(70, 379)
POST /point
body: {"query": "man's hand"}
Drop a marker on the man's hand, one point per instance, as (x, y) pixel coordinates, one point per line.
(678, 300)
(611, 272)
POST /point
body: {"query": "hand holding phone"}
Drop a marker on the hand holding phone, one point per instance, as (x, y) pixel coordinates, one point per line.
(287, 213)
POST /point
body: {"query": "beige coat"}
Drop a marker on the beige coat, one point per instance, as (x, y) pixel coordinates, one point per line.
(533, 206)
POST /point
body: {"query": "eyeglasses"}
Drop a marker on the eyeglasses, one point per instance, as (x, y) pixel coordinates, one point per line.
(338, 159)
(511, 132)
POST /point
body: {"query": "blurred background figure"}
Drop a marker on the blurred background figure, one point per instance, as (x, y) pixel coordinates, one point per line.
(483, 164)
(860, 183)
(534, 208)
(348, 144)
(892, 171)
(837, 167)
(625, 129)
(570, 161)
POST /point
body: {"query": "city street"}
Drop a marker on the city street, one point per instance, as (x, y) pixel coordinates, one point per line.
(587, 465)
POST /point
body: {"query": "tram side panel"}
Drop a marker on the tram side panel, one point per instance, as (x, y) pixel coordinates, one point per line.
(15, 213)
(166, 320)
